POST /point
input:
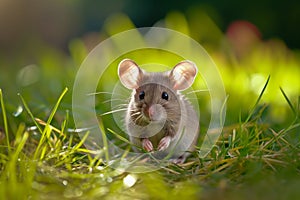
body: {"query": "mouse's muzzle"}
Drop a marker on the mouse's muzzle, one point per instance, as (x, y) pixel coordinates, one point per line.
(154, 112)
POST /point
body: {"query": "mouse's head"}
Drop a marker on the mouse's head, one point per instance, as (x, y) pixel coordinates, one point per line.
(155, 94)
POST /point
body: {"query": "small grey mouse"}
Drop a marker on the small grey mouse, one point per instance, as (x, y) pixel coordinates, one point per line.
(159, 119)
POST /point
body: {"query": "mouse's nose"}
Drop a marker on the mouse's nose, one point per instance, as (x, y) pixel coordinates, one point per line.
(148, 111)
(151, 112)
(145, 110)
(155, 112)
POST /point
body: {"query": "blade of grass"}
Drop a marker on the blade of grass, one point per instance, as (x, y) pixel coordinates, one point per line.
(41, 122)
(258, 100)
(120, 137)
(47, 126)
(56, 106)
(104, 138)
(30, 113)
(94, 161)
(65, 122)
(78, 145)
(288, 101)
(5, 120)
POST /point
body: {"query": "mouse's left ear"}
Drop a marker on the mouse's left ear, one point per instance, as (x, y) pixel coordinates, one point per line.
(183, 75)
(129, 73)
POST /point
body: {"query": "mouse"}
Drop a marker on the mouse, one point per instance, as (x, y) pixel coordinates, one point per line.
(159, 119)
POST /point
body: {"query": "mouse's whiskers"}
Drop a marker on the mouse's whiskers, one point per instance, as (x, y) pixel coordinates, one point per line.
(119, 106)
(135, 114)
(197, 91)
(113, 100)
(113, 111)
(110, 93)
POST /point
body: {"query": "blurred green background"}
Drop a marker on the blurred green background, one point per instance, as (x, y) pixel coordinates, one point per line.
(56, 22)
(44, 42)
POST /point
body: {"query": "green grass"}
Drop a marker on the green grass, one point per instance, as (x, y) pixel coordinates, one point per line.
(249, 158)
(256, 157)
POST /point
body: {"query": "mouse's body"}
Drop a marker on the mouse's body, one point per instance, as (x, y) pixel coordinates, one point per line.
(159, 119)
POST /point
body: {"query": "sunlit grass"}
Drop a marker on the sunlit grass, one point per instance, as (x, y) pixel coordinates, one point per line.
(57, 163)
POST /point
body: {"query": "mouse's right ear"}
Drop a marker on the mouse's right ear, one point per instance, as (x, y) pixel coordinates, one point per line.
(129, 73)
(183, 75)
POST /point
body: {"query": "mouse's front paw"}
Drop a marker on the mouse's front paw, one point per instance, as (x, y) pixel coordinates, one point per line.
(164, 143)
(147, 145)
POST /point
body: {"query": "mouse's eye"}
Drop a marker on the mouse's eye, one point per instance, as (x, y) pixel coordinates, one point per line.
(142, 95)
(165, 96)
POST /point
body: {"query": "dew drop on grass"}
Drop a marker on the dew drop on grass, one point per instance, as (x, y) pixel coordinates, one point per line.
(109, 179)
(32, 128)
(18, 111)
(129, 180)
(65, 182)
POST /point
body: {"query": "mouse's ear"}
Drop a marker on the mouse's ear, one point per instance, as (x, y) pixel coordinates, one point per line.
(183, 75)
(129, 73)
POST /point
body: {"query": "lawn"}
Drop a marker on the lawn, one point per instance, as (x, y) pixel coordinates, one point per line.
(44, 155)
